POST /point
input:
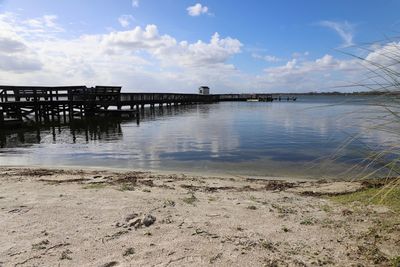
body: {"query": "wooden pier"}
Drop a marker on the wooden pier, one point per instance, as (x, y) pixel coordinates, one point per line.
(41, 104)
(256, 97)
(34, 104)
(245, 97)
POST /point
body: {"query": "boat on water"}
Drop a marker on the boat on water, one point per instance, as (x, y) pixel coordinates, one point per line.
(253, 100)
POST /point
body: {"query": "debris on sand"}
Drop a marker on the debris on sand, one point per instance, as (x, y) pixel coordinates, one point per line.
(136, 223)
(110, 264)
(41, 245)
(39, 172)
(132, 220)
(215, 258)
(149, 220)
(346, 212)
(116, 235)
(275, 185)
(65, 255)
(128, 252)
(131, 216)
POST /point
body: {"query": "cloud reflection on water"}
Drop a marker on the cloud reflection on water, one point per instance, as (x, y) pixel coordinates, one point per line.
(257, 138)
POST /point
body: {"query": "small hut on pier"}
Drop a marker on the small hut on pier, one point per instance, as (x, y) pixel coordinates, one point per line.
(204, 90)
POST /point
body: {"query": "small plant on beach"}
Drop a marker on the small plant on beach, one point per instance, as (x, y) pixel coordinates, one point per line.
(211, 199)
(169, 203)
(326, 208)
(283, 209)
(388, 196)
(127, 187)
(190, 200)
(308, 221)
(396, 261)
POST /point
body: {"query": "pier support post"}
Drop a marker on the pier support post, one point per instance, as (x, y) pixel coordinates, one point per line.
(64, 113)
(1, 116)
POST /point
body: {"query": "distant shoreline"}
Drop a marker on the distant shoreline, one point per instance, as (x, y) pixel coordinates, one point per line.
(362, 93)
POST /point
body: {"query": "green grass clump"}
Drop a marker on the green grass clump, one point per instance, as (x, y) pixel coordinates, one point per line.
(210, 199)
(396, 261)
(127, 187)
(190, 200)
(308, 221)
(326, 208)
(387, 196)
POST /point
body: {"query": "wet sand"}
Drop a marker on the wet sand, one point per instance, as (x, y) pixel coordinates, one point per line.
(65, 217)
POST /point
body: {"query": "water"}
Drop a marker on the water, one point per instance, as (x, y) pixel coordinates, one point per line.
(234, 138)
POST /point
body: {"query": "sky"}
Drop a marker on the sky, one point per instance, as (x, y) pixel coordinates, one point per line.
(179, 45)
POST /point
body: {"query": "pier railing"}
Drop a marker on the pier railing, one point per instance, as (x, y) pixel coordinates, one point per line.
(153, 98)
(36, 93)
(98, 93)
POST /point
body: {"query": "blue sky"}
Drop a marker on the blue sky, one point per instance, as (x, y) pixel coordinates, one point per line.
(149, 45)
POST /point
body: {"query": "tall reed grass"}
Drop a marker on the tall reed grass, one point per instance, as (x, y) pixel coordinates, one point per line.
(381, 64)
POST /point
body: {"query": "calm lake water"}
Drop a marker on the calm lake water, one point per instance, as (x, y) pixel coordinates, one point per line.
(235, 138)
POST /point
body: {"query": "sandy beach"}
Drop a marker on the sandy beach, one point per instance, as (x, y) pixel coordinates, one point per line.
(56, 217)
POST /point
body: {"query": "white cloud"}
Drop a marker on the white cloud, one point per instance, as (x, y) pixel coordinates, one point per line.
(305, 76)
(10, 45)
(293, 67)
(344, 29)
(138, 38)
(15, 55)
(200, 54)
(125, 20)
(383, 65)
(19, 63)
(197, 10)
(140, 58)
(144, 59)
(135, 3)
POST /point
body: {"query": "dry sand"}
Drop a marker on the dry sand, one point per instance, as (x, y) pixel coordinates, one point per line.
(54, 217)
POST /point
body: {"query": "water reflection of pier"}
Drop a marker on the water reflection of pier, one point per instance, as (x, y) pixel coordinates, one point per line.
(87, 129)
